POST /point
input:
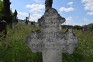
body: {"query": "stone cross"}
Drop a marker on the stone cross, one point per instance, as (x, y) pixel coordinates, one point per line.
(50, 40)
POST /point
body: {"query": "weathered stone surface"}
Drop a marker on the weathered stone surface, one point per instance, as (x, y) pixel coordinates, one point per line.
(71, 41)
(50, 41)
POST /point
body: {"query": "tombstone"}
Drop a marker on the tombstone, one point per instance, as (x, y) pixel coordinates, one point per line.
(50, 40)
(15, 14)
(32, 22)
(26, 21)
(3, 30)
(15, 17)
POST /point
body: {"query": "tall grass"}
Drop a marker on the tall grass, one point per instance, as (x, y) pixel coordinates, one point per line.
(84, 52)
(14, 49)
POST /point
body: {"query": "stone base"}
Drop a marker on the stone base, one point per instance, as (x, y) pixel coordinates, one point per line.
(52, 56)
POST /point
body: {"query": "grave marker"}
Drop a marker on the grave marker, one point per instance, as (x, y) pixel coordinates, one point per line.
(50, 41)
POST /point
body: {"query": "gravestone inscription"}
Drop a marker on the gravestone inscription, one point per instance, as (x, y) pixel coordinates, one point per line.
(50, 41)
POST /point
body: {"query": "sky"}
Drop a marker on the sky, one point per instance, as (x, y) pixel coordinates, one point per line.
(76, 12)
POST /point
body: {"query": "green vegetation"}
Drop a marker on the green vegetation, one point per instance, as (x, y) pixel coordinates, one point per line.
(14, 49)
(84, 52)
(1, 8)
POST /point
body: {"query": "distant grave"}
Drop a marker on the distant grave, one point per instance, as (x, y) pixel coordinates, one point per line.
(14, 18)
(50, 40)
(26, 21)
(32, 22)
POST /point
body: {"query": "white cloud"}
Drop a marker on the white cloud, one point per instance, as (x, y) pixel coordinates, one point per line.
(90, 13)
(88, 4)
(35, 7)
(35, 17)
(63, 9)
(70, 3)
(22, 13)
(71, 21)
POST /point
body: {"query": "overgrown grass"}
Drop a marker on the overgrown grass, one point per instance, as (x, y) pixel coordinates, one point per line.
(84, 52)
(14, 49)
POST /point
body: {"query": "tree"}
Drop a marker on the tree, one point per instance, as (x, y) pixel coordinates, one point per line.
(1, 9)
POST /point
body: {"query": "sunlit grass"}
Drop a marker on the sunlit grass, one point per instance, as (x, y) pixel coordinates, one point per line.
(14, 49)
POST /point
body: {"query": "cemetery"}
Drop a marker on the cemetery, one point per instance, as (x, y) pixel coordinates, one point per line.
(43, 41)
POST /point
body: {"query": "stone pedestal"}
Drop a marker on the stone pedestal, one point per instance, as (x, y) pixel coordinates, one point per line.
(52, 56)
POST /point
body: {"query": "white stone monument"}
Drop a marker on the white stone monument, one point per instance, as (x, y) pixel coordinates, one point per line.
(50, 41)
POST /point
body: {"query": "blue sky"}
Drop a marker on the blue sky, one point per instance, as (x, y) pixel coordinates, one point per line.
(76, 12)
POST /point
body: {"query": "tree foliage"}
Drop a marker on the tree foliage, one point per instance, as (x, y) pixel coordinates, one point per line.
(1, 8)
